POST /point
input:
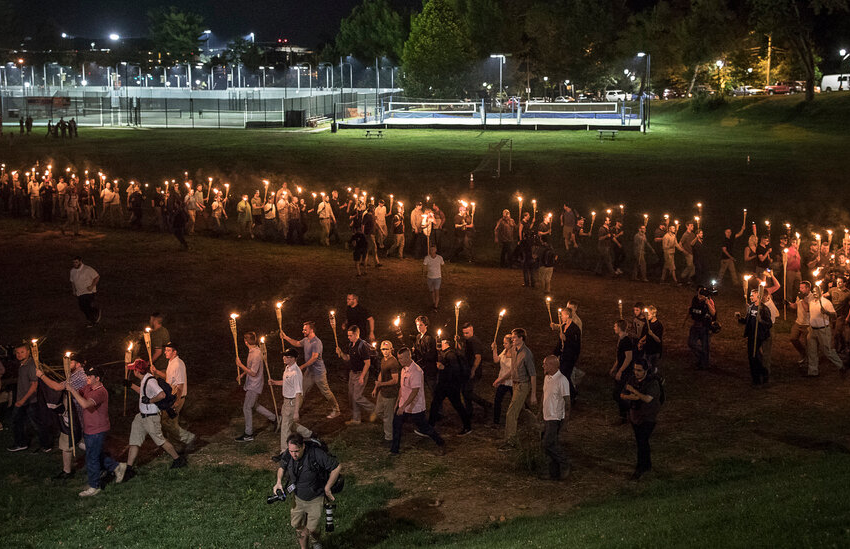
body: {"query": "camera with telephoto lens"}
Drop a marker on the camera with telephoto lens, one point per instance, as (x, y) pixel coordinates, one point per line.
(280, 495)
(329, 516)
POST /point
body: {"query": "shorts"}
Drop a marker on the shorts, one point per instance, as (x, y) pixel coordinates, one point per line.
(434, 284)
(359, 254)
(307, 513)
(146, 426)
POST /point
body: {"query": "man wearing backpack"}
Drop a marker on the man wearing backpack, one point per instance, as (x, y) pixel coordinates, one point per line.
(312, 473)
(147, 422)
(644, 393)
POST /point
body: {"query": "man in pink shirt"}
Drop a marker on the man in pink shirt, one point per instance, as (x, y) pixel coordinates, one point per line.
(411, 403)
(94, 399)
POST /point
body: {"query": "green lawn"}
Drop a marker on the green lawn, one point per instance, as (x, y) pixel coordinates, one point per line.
(779, 503)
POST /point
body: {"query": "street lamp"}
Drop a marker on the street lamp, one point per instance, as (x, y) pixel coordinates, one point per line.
(114, 37)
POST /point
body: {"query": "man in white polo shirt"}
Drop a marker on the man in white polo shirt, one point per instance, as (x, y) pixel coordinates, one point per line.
(411, 403)
(84, 281)
(175, 375)
(293, 397)
(147, 421)
(556, 405)
(434, 274)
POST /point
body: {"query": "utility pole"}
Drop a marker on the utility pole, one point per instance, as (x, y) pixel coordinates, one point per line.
(769, 48)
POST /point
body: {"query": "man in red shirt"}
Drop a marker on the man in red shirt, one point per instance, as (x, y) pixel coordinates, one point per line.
(94, 399)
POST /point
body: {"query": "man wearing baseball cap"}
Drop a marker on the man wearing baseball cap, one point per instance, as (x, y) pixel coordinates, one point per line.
(94, 400)
(147, 422)
(293, 397)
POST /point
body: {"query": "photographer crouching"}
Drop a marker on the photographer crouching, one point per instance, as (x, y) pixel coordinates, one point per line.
(313, 476)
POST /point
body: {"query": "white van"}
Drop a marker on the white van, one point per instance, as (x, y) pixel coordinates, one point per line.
(835, 82)
(615, 95)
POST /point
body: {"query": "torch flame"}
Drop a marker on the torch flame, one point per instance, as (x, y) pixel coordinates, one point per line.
(68, 354)
(502, 312)
(234, 316)
(397, 321)
(279, 304)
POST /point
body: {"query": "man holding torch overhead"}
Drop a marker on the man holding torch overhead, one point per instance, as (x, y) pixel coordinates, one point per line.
(93, 399)
(26, 407)
(359, 359)
(253, 374)
(77, 380)
(313, 368)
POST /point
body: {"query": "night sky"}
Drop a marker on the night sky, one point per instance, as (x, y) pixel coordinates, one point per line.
(303, 22)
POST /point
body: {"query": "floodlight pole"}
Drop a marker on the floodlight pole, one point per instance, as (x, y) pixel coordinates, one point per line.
(646, 85)
(501, 58)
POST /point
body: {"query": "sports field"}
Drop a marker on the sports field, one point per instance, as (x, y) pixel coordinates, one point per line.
(734, 466)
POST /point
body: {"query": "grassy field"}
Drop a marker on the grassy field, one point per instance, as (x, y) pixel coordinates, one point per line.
(734, 466)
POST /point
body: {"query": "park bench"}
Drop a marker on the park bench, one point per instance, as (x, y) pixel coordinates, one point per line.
(374, 133)
(316, 121)
(608, 133)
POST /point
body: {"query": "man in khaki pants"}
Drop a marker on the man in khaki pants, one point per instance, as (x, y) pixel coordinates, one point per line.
(293, 397)
(524, 379)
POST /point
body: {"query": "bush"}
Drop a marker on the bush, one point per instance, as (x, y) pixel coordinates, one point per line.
(703, 102)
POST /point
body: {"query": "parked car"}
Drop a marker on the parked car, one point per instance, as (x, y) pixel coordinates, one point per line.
(701, 89)
(615, 95)
(671, 93)
(585, 98)
(747, 90)
(786, 87)
(564, 99)
(835, 82)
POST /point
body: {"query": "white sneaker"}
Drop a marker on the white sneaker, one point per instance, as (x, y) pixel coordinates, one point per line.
(120, 471)
(89, 492)
(333, 415)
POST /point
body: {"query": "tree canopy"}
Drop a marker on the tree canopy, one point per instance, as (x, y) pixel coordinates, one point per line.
(176, 32)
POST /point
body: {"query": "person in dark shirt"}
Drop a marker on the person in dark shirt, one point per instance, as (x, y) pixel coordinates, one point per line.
(311, 474)
(336, 208)
(603, 245)
(568, 347)
(701, 313)
(425, 352)
(473, 353)
(360, 246)
(359, 359)
(763, 252)
(727, 254)
(450, 379)
(643, 394)
(651, 342)
(622, 368)
(398, 232)
(357, 315)
(757, 324)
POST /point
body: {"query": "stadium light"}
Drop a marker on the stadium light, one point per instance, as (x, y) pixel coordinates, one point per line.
(842, 52)
(641, 54)
(114, 37)
(502, 58)
(719, 63)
